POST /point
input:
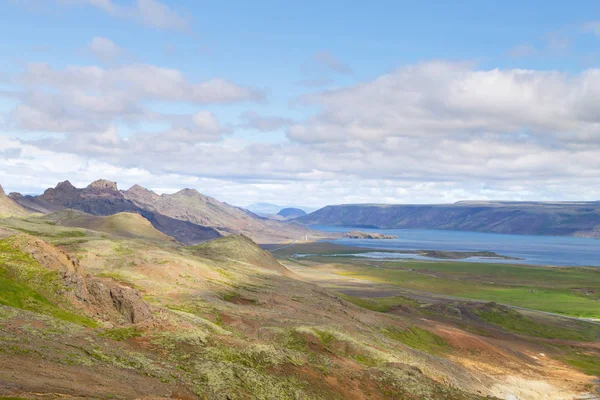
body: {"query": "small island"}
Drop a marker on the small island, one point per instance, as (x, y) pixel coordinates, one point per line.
(367, 235)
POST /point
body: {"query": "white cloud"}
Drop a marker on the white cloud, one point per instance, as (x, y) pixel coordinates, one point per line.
(429, 132)
(138, 80)
(152, 13)
(439, 99)
(104, 49)
(91, 98)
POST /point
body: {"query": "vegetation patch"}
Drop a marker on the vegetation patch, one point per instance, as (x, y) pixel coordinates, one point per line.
(237, 298)
(21, 279)
(417, 338)
(513, 321)
(383, 304)
(587, 363)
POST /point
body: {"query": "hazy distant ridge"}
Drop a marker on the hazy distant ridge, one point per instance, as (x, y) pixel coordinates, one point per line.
(532, 218)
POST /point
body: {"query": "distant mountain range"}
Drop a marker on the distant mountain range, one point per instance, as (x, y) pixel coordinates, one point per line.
(188, 216)
(531, 218)
(291, 213)
(270, 210)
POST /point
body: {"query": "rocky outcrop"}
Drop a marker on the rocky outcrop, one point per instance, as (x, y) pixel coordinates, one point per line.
(103, 184)
(367, 235)
(107, 295)
(99, 298)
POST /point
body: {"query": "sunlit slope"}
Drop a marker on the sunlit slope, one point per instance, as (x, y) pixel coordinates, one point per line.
(124, 224)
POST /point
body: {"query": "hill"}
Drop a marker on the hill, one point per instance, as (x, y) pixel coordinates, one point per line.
(291, 213)
(536, 218)
(124, 224)
(9, 208)
(241, 249)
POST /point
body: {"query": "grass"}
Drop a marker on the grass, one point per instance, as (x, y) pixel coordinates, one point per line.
(380, 304)
(22, 281)
(513, 321)
(586, 363)
(555, 290)
(417, 338)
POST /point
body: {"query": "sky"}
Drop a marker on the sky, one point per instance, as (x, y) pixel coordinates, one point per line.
(304, 102)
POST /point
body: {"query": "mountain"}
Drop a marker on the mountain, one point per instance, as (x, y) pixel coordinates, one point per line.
(9, 208)
(531, 218)
(291, 213)
(272, 210)
(102, 198)
(190, 205)
(188, 216)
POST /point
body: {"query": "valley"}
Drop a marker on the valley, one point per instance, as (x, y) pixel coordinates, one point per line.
(102, 303)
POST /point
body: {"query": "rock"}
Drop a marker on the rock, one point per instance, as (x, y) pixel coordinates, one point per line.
(103, 184)
(108, 295)
(366, 235)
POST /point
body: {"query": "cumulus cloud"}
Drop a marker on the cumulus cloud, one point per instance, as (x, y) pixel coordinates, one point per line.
(430, 132)
(452, 99)
(92, 98)
(104, 49)
(140, 80)
(152, 13)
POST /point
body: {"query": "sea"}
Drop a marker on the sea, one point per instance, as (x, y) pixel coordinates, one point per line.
(529, 249)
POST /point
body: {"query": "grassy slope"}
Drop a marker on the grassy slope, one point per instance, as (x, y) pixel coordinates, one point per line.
(9, 208)
(26, 285)
(120, 224)
(203, 340)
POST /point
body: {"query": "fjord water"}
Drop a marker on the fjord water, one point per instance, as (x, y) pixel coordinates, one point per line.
(534, 250)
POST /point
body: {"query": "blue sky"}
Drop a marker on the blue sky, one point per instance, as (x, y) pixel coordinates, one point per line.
(304, 102)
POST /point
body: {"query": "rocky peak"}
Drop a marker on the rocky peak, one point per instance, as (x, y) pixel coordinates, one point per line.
(103, 184)
(2, 194)
(188, 192)
(140, 190)
(13, 195)
(62, 189)
(66, 185)
(140, 194)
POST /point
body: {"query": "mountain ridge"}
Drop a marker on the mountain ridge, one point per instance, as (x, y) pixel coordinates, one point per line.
(187, 215)
(531, 218)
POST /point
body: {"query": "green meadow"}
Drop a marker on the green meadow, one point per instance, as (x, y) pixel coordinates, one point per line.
(568, 291)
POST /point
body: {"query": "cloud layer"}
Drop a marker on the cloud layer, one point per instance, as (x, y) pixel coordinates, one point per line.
(430, 132)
